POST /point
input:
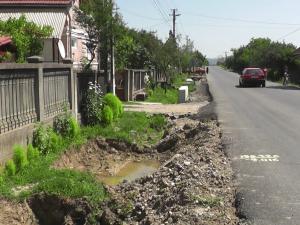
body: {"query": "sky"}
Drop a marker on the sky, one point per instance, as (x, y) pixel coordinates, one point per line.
(217, 26)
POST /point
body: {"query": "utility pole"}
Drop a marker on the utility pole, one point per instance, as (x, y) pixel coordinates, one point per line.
(112, 52)
(174, 15)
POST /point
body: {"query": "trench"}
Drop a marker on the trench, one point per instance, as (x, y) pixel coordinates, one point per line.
(131, 171)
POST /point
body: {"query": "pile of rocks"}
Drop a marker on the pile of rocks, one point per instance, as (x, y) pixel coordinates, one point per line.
(193, 187)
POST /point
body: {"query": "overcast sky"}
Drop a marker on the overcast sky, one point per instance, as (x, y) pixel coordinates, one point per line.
(216, 26)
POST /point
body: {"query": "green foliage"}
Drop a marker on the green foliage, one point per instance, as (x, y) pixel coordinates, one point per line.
(7, 57)
(72, 184)
(263, 53)
(10, 168)
(20, 157)
(46, 140)
(92, 107)
(168, 96)
(134, 127)
(158, 122)
(26, 36)
(115, 104)
(107, 115)
(32, 153)
(66, 125)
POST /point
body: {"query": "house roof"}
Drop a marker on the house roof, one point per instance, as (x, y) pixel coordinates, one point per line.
(4, 40)
(56, 18)
(35, 2)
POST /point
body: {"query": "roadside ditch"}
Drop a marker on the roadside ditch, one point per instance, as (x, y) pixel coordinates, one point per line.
(186, 178)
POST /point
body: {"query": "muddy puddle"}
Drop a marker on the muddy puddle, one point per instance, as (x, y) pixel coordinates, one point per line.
(130, 171)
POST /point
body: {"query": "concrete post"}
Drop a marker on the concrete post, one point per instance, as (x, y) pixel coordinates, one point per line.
(73, 92)
(127, 85)
(40, 94)
(131, 85)
(140, 80)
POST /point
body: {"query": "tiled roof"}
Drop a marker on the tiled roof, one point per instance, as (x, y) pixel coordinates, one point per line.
(55, 18)
(4, 40)
(35, 2)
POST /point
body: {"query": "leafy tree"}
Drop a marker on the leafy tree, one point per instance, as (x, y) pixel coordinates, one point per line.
(26, 36)
(264, 53)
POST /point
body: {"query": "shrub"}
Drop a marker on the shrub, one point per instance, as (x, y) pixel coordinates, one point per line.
(157, 122)
(107, 115)
(66, 125)
(46, 140)
(20, 157)
(32, 153)
(92, 105)
(115, 104)
(10, 168)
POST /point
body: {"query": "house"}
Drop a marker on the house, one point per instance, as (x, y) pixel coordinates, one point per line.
(67, 40)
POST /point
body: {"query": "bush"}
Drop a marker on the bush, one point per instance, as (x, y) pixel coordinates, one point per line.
(107, 115)
(10, 168)
(157, 122)
(92, 105)
(32, 153)
(46, 140)
(115, 104)
(66, 125)
(20, 157)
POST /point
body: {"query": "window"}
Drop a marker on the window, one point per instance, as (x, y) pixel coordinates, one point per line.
(74, 42)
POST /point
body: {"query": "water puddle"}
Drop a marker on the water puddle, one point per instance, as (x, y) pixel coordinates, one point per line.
(131, 171)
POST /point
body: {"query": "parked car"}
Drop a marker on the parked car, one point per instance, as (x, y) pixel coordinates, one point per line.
(252, 76)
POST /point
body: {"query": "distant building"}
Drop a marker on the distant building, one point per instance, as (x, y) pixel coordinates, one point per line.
(59, 15)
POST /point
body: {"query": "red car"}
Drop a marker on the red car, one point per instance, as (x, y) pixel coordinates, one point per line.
(252, 76)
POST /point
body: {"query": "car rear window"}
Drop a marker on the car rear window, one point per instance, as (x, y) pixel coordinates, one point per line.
(254, 72)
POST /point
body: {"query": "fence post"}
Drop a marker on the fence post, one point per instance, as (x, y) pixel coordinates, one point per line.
(73, 93)
(127, 85)
(131, 83)
(40, 94)
(40, 86)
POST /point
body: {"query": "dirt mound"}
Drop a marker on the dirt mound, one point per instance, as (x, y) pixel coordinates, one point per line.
(193, 187)
(14, 213)
(51, 210)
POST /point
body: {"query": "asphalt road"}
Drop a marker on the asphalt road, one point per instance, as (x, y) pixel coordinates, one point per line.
(262, 129)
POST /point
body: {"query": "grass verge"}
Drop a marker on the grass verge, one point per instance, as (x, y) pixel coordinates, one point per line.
(39, 176)
(170, 95)
(134, 127)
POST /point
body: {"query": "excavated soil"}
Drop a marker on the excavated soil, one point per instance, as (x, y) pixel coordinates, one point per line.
(192, 182)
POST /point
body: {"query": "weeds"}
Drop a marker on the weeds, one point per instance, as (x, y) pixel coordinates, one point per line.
(20, 157)
(134, 127)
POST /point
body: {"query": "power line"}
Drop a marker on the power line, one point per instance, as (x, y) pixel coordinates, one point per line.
(138, 15)
(160, 11)
(288, 34)
(242, 20)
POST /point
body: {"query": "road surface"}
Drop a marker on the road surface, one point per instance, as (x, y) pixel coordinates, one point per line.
(262, 129)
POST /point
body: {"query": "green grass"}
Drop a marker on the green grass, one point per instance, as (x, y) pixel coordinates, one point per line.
(171, 96)
(65, 183)
(134, 127)
(159, 95)
(40, 176)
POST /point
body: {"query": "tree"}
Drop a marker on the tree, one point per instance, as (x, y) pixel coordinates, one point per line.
(88, 23)
(26, 36)
(101, 25)
(262, 52)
